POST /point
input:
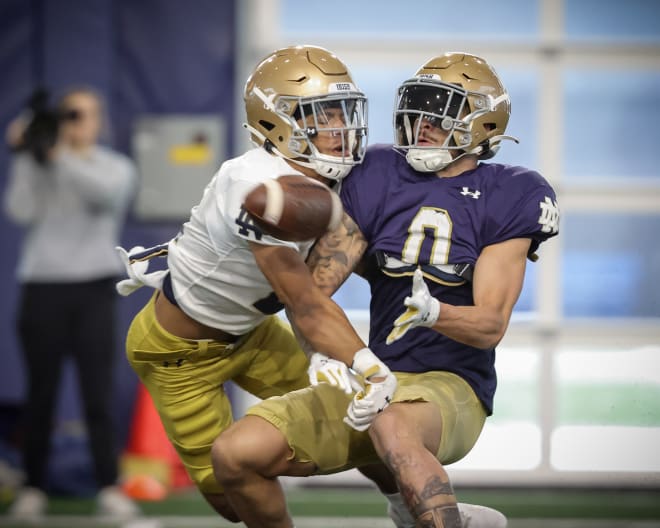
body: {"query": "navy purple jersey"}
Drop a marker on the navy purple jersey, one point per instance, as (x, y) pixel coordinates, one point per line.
(412, 219)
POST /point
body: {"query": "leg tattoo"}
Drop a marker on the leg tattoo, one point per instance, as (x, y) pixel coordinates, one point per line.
(434, 505)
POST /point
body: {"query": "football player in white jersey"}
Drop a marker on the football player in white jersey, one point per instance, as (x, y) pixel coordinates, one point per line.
(210, 319)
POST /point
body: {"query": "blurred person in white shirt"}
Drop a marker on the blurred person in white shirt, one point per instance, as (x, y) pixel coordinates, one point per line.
(71, 198)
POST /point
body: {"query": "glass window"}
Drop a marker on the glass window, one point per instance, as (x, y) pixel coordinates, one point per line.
(598, 448)
(632, 20)
(517, 395)
(610, 124)
(511, 438)
(380, 86)
(505, 20)
(526, 301)
(608, 386)
(610, 265)
(354, 294)
(523, 90)
(607, 399)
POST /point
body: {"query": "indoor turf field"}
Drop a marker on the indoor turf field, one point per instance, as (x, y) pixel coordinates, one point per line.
(364, 507)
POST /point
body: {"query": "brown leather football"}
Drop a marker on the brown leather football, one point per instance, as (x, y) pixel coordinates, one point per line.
(294, 208)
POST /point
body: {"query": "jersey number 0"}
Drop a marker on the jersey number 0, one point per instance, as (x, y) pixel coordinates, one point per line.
(428, 219)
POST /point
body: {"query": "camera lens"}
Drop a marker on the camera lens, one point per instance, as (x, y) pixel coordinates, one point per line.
(71, 115)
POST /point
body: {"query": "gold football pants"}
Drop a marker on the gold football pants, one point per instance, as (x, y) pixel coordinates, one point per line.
(311, 419)
(186, 381)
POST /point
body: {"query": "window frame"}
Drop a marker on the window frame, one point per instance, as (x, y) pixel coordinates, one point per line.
(549, 56)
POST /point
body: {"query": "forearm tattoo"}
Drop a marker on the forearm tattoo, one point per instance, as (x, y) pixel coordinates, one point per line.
(434, 505)
(335, 255)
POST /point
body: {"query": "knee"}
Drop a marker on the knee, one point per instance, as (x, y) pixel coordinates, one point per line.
(392, 433)
(249, 447)
(228, 458)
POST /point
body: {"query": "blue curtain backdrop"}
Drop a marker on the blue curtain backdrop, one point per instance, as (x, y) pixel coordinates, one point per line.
(151, 56)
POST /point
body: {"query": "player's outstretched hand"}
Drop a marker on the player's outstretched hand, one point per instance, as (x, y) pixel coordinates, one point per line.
(322, 368)
(377, 394)
(422, 309)
(137, 272)
(134, 270)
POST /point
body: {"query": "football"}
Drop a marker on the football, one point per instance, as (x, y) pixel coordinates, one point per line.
(294, 208)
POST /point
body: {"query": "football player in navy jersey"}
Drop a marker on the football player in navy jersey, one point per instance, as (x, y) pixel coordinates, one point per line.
(428, 209)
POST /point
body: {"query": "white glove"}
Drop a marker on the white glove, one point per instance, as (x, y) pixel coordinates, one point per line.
(423, 309)
(137, 273)
(376, 395)
(322, 368)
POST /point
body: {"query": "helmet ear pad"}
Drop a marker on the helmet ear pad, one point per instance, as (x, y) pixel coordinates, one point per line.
(487, 148)
(276, 128)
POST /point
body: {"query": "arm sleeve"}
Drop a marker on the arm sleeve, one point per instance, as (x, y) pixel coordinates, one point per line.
(524, 208)
(107, 183)
(27, 189)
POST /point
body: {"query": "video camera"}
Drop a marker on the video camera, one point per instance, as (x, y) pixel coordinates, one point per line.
(41, 133)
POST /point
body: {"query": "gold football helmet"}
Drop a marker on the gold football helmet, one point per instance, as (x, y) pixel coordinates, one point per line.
(461, 94)
(297, 92)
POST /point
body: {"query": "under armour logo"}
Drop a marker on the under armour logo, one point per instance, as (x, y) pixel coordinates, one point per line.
(467, 192)
(549, 218)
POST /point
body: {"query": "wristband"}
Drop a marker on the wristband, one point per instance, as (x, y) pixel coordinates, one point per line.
(367, 364)
(434, 313)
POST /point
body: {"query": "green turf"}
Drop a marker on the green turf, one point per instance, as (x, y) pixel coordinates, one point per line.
(569, 503)
(366, 502)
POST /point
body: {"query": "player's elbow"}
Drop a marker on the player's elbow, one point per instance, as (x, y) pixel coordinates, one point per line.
(309, 310)
(20, 214)
(493, 333)
(488, 342)
(309, 320)
(484, 331)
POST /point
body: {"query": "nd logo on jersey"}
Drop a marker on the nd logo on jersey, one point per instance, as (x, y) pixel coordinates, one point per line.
(549, 218)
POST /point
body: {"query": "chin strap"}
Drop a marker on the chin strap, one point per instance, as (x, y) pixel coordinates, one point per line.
(434, 160)
(428, 160)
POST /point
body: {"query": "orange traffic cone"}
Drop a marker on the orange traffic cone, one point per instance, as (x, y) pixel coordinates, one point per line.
(150, 464)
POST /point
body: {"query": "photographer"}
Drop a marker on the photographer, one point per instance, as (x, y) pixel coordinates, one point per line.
(71, 195)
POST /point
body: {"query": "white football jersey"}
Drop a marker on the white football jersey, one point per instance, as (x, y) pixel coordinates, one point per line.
(215, 277)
